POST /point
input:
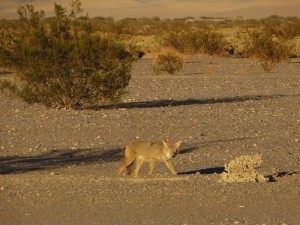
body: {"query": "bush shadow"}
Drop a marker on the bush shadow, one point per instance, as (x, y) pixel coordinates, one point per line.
(187, 102)
(58, 158)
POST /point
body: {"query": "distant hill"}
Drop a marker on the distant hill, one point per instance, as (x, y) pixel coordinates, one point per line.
(119, 9)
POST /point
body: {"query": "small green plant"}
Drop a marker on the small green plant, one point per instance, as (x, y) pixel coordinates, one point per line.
(169, 62)
(268, 50)
(61, 62)
(242, 169)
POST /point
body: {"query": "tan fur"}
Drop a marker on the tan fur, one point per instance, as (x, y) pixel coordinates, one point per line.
(151, 152)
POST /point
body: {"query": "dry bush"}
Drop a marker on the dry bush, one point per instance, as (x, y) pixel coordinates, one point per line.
(169, 62)
(267, 49)
(242, 169)
(203, 41)
(281, 27)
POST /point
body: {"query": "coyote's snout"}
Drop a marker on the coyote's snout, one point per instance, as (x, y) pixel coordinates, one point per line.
(151, 152)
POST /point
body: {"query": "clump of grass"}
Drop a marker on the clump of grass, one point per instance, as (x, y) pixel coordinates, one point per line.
(242, 169)
(169, 62)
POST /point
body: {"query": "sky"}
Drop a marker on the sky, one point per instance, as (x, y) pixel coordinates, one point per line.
(119, 9)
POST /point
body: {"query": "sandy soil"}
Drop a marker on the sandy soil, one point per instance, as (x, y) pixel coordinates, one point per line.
(57, 167)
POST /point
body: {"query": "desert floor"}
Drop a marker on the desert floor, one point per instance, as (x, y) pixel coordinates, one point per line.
(58, 167)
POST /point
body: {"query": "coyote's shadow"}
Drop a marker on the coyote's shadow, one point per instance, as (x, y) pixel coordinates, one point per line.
(63, 158)
(58, 158)
(206, 171)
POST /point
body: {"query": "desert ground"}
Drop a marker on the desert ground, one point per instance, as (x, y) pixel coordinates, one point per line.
(58, 167)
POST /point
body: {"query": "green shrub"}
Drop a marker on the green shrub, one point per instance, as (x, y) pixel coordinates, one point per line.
(61, 63)
(267, 49)
(169, 62)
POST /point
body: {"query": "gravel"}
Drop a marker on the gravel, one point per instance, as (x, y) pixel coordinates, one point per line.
(58, 167)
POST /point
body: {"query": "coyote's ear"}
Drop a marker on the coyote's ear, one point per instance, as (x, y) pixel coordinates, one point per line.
(165, 142)
(178, 143)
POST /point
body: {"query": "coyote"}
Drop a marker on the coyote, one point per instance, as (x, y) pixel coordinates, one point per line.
(142, 151)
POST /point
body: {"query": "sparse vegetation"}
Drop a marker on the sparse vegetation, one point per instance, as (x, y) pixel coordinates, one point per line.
(68, 60)
(242, 169)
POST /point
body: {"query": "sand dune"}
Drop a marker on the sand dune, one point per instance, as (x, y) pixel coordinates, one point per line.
(166, 8)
